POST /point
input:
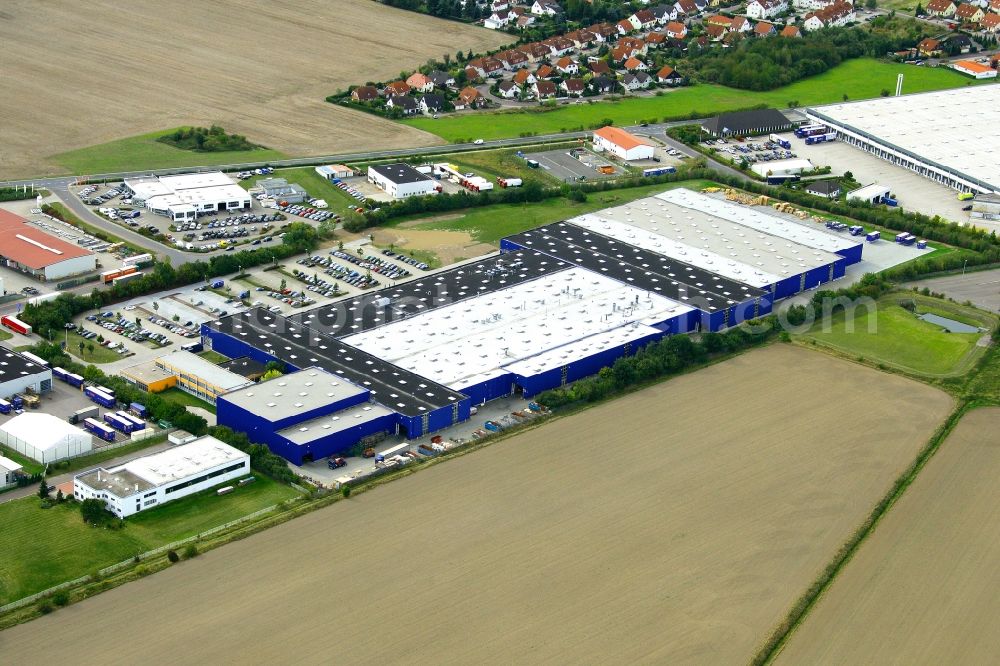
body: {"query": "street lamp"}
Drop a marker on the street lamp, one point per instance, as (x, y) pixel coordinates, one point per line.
(964, 264)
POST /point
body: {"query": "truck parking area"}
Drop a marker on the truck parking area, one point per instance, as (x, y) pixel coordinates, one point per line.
(576, 165)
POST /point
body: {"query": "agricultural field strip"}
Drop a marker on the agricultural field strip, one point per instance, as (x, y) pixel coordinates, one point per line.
(742, 480)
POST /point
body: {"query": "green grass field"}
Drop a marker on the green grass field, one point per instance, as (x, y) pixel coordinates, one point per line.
(213, 356)
(898, 339)
(858, 79)
(145, 152)
(4, 335)
(186, 399)
(30, 466)
(98, 356)
(44, 547)
(491, 223)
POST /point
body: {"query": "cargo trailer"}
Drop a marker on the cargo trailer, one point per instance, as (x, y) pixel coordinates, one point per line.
(97, 428)
(15, 324)
(118, 423)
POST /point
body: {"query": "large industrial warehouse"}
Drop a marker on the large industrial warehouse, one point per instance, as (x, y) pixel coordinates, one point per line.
(184, 197)
(558, 304)
(920, 133)
(43, 256)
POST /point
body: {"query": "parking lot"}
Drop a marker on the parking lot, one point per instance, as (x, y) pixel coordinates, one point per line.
(754, 150)
(564, 166)
(981, 288)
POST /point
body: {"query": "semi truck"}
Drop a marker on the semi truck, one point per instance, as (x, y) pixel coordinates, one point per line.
(108, 276)
(810, 130)
(15, 324)
(83, 414)
(97, 428)
(118, 423)
(821, 138)
(658, 171)
(139, 410)
(5, 406)
(509, 182)
(98, 396)
(784, 143)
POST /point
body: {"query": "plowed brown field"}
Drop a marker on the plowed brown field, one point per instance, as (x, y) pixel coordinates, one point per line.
(676, 525)
(923, 588)
(80, 74)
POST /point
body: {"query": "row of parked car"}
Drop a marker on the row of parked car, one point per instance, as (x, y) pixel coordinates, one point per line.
(262, 171)
(381, 266)
(296, 299)
(106, 342)
(315, 283)
(113, 193)
(307, 212)
(406, 260)
(349, 189)
(183, 331)
(343, 273)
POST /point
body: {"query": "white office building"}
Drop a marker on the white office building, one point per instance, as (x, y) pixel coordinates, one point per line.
(9, 471)
(401, 180)
(150, 481)
(184, 197)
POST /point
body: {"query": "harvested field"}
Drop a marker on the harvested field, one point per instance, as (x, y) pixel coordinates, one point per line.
(923, 588)
(257, 68)
(676, 525)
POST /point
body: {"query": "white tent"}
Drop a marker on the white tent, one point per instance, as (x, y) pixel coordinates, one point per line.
(44, 437)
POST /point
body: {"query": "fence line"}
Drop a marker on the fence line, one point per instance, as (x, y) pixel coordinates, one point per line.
(20, 603)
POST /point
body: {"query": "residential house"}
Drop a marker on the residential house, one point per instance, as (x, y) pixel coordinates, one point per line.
(676, 30)
(686, 8)
(500, 18)
(498, 5)
(599, 68)
(635, 65)
(665, 13)
(567, 65)
(637, 81)
(960, 43)
(715, 32)
(719, 20)
(942, 8)
(644, 19)
(991, 23)
(624, 27)
(524, 78)
(669, 76)
(513, 59)
(573, 86)
(741, 24)
(559, 45)
(525, 21)
(929, 47)
(364, 94)
(581, 38)
(814, 5)
(469, 98)
(761, 9)
(622, 52)
(837, 14)
(546, 8)
(791, 31)
(995, 6)
(604, 32)
(491, 67)
(678, 44)
(431, 103)
(824, 188)
(509, 90)
(764, 29)
(473, 74)
(655, 40)
(731, 38)
(602, 84)
(420, 83)
(477, 64)
(544, 89)
(544, 73)
(535, 51)
(404, 103)
(969, 13)
(396, 89)
(442, 79)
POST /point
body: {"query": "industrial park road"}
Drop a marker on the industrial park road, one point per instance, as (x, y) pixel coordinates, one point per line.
(60, 185)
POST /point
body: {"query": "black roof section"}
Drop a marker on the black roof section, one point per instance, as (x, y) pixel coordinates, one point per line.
(399, 172)
(637, 267)
(742, 122)
(823, 186)
(245, 366)
(391, 386)
(14, 366)
(356, 314)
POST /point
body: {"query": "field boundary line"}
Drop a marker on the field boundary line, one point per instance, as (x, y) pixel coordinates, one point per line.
(800, 610)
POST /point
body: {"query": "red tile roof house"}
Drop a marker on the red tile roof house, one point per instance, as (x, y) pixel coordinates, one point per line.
(524, 77)
(396, 88)
(420, 83)
(567, 65)
(969, 13)
(991, 23)
(364, 94)
(791, 31)
(545, 89)
(655, 39)
(573, 86)
(669, 76)
(677, 30)
(635, 65)
(764, 29)
(941, 8)
(545, 72)
(599, 67)
(469, 98)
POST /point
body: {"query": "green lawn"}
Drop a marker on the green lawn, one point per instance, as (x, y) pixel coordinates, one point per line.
(4, 335)
(30, 466)
(901, 340)
(186, 399)
(858, 79)
(491, 223)
(314, 184)
(145, 152)
(98, 356)
(213, 356)
(42, 548)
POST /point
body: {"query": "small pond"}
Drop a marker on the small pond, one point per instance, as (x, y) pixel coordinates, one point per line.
(949, 325)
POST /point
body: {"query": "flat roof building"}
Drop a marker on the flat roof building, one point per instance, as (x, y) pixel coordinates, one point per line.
(401, 180)
(199, 376)
(9, 472)
(793, 167)
(871, 193)
(918, 132)
(184, 197)
(280, 188)
(331, 171)
(43, 256)
(149, 481)
(19, 373)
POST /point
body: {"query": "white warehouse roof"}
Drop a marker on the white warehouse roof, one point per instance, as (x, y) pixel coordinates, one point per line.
(472, 340)
(183, 461)
(954, 128)
(765, 222)
(43, 431)
(191, 189)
